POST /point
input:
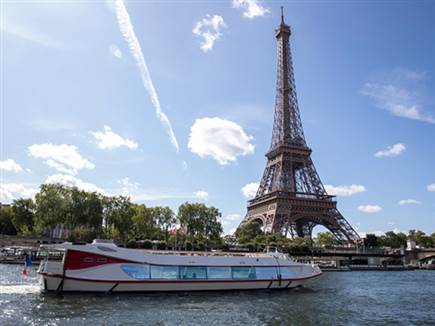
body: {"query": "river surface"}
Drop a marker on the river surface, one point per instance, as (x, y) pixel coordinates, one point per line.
(346, 298)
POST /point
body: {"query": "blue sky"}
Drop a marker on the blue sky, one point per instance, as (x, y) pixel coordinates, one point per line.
(172, 101)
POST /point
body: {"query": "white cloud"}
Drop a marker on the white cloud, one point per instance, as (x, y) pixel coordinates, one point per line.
(64, 158)
(399, 92)
(231, 218)
(251, 8)
(409, 202)
(431, 187)
(136, 193)
(223, 140)
(144, 195)
(60, 167)
(391, 151)
(376, 233)
(128, 187)
(72, 181)
(209, 28)
(11, 191)
(115, 51)
(370, 209)
(129, 35)
(201, 194)
(156, 195)
(10, 165)
(344, 190)
(108, 139)
(381, 233)
(250, 189)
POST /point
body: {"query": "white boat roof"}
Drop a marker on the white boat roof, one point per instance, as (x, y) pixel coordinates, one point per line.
(178, 257)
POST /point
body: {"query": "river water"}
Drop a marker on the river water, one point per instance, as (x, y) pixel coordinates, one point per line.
(340, 298)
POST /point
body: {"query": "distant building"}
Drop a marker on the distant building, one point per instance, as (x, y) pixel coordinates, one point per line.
(5, 205)
(410, 245)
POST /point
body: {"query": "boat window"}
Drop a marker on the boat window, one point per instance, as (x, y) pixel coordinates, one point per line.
(287, 272)
(219, 272)
(164, 272)
(140, 272)
(243, 272)
(266, 273)
(192, 272)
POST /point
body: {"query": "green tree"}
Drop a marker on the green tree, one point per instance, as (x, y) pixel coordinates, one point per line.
(420, 238)
(201, 222)
(52, 206)
(23, 215)
(371, 240)
(189, 217)
(85, 212)
(108, 204)
(6, 225)
(392, 239)
(432, 236)
(302, 242)
(326, 239)
(212, 228)
(119, 221)
(144, 225)
(165, 218)
(248, 232)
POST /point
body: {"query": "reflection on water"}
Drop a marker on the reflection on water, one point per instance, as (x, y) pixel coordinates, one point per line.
(334, 299)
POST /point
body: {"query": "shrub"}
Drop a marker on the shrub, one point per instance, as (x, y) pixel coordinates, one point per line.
(132, 244)
(161, 245)
(147, 244)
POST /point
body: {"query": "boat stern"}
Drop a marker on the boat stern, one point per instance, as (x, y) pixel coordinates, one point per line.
(50, 274)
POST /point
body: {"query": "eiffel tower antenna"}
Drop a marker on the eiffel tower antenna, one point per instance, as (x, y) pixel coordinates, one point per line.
(291, 198)
(282, 15)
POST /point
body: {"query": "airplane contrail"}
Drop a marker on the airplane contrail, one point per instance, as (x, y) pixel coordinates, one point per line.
(129, 35)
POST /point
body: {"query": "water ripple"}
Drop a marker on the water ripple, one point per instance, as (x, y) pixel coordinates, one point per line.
(372, 298)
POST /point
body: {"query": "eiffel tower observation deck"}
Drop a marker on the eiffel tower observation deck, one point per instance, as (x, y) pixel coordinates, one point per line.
(291, 198)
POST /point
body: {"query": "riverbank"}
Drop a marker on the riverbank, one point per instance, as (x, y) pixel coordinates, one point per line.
(15, 256)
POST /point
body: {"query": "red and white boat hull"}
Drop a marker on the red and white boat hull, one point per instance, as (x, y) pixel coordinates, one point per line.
(87, 269)
(70, 284)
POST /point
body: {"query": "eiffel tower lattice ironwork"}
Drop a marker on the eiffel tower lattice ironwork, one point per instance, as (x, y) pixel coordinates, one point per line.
(291, 198)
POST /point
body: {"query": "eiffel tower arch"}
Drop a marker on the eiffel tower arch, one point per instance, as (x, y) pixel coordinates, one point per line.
(291, 198)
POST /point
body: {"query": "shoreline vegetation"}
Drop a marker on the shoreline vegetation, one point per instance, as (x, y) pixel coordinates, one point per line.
(62, 213)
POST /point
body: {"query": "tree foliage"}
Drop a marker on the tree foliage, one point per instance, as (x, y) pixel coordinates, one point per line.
(200, 221)
(23, 214)
(248, 232)
(326, 239)
(421, 238)
(392, 240)
(88, 215)
(6, 224)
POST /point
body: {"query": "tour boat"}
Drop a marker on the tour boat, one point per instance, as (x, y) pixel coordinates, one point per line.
(104, 267)
(430, 264)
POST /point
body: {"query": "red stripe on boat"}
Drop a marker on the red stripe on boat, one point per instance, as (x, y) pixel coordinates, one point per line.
(162, 281)
(79, 259)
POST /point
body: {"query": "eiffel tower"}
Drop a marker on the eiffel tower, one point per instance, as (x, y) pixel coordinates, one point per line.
(291, 199)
